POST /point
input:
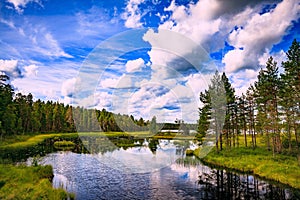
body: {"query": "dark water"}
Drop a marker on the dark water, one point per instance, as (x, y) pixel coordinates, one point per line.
(139, 173)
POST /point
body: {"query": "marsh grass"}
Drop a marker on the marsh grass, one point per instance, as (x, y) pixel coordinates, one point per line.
(64, 145)
(22, 182)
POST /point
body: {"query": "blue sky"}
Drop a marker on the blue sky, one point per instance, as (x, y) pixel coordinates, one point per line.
(140, 57)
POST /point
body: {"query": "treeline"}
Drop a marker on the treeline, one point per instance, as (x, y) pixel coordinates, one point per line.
(270, 107)
(19, 114)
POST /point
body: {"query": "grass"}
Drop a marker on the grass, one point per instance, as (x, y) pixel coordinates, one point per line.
(13, 139)
(22, 182)
(64, 145)
(37, 139)
(259, 161)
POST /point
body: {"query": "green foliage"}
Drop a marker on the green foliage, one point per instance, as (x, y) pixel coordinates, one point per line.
(189, 152)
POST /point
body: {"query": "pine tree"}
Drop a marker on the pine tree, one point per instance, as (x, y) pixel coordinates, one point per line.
(6, 100)
(204, 113)
(230, 117)
(291, 91)
(218, 108)
(242, 116)
(266, 96)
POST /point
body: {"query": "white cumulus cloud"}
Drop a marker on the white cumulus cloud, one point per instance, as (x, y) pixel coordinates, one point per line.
(259, 34)
(134, 65)
(10, 68)
(68, 87)
(132, 14)
(31, 70)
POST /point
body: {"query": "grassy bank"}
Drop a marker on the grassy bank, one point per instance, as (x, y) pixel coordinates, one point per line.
(22, 182)
(281, 168)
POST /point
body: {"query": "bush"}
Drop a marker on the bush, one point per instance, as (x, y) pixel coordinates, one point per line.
(189, 152)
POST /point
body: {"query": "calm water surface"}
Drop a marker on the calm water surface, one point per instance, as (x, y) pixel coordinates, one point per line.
(162, 173)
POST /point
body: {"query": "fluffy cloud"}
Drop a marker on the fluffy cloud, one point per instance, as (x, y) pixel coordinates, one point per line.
(19, 5)
(134, 65)
(68, 87)
(173, 53)
(279, 57)
(198, 82)
(10, 68)
(242, 80)
(195, 21)
(132, 15)
(258, 35)
(211, 23)
(165, 102)
(31, 70)
(123, 82)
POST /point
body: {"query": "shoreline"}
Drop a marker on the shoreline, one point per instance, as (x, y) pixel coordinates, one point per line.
(282, 169)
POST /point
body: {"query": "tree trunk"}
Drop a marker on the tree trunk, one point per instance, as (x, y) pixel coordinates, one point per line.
(296, 136)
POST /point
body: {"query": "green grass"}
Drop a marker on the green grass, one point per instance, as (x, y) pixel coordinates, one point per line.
(37, 139)
(22, 182)
(64, 145)
(13, 139)
(281, 168)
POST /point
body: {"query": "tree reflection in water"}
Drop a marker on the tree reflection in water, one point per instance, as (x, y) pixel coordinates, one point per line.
(221, 184)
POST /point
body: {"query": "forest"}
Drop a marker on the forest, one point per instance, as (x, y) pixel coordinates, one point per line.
(270, 108)
(20, 114)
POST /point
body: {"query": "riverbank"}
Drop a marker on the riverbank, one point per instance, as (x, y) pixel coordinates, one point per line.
(23, 182)
(281, 168)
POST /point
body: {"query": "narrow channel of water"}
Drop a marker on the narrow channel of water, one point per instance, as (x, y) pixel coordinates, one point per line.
(168, 174)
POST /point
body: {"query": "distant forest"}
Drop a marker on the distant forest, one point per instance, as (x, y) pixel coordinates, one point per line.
(270, 108)
(19, 114)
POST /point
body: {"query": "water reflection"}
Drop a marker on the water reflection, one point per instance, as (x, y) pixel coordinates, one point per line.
(89, 177)
(221, 184)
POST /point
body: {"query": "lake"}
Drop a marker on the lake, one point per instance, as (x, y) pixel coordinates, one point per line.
(159, 171)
